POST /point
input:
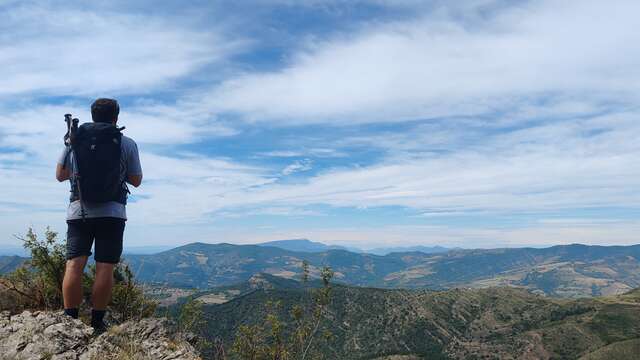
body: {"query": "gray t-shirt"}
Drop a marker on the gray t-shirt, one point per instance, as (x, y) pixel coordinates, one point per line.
(129, 165)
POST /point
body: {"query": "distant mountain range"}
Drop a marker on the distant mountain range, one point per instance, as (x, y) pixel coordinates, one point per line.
(493, 323)
(13, 251)
(423, 249)
(302, 245)
(562, 271)
(10, 263)
(305, 245)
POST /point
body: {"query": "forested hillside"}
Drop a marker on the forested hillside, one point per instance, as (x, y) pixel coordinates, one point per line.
(561, 271)
(495, 323)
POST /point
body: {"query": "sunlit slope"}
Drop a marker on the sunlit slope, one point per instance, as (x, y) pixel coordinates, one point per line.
(561, 271)
(503, 323)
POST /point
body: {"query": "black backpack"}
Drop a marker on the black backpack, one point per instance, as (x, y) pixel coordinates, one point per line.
(97, 151)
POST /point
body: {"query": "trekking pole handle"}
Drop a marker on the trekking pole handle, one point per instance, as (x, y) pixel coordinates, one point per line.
(67, 136)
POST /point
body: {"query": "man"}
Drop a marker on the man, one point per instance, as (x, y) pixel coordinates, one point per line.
(89, 221)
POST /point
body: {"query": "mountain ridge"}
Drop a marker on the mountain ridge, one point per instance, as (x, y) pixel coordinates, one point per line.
(505, 323)
(304, 245)
(9, 263)
(563, 270)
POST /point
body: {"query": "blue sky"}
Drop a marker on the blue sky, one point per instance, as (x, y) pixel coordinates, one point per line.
(362, 123)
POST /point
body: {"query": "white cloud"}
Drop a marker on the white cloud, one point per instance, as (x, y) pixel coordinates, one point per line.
(156, 123)
(557, 167)
(181, 188)
(619, 233)
(281, 153)
(439, 66)
(298, 166)
(186, 189)
(540, 69)
(319, 152)
(55, 50)
(586, 163)
(294, 212)
(38, 129)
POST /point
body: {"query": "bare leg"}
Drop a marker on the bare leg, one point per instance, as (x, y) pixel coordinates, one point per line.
(102, 285)
(72, 282)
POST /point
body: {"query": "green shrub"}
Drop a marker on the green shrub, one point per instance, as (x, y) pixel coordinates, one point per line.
(192, 323)
(128, 301)
(277, 339)
(37, 285)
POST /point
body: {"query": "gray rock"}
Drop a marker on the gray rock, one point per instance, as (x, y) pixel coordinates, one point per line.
(55, 336)
(42, 335)
(146, 339)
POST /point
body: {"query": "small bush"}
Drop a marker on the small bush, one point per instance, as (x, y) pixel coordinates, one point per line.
(191, 321)
(37, 285)
(128, 301)
(277, 340)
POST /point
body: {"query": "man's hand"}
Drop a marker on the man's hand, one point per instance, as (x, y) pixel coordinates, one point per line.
(62, 174)
(134, 180)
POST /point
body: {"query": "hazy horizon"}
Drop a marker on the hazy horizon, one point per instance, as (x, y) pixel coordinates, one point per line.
(476, 124)
(154, 249)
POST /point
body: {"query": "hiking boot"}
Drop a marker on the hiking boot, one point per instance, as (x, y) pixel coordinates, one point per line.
(97, 321)
(99, 328)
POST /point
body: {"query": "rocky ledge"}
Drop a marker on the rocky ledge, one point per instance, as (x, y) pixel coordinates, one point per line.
(54, 336)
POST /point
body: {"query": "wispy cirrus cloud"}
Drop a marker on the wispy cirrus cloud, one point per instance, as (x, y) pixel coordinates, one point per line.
(442, 65)
(60, 50)
(466, 113)
(57, 57)
(574, 164)
(298, 166)
(537, 236)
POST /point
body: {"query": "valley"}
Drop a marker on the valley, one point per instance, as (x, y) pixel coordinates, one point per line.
(566, 271)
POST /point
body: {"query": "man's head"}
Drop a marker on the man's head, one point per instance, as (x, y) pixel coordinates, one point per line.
(105, 110)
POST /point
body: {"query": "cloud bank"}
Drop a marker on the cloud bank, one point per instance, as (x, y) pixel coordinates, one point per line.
(486, 123)
(440, 65)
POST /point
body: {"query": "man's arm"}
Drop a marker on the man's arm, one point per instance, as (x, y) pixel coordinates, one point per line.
(134, 170)
(63, 168)
(62, 173)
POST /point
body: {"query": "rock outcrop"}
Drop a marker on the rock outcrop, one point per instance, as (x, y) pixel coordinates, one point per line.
(54, 336)
(149, 338)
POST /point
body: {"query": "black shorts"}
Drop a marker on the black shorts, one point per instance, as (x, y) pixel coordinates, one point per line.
(107, 233)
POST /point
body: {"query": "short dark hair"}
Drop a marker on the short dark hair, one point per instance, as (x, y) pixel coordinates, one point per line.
(105, 110)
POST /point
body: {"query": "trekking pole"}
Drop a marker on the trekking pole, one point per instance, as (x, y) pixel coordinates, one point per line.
(67, 139)
(72, 129)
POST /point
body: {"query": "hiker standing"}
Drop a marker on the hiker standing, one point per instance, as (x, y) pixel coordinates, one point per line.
(99, 164)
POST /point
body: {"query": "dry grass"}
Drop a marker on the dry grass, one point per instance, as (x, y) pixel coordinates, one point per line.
(131, 351)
